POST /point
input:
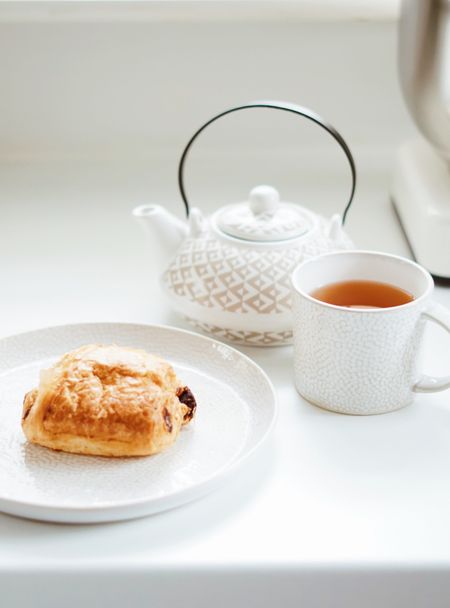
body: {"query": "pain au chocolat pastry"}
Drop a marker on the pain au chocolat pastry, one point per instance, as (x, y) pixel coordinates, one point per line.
(107, 401)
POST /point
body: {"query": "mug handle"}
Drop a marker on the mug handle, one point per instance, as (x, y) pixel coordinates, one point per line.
(431, 384)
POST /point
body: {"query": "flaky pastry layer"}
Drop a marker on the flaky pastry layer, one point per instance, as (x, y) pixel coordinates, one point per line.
(107, 401)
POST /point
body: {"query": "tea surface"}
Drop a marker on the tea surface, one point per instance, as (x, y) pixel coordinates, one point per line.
(362, 294)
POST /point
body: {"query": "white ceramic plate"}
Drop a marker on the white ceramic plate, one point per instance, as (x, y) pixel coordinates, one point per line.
(236, 410)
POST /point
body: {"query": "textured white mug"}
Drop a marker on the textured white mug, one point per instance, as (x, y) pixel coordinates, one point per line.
(362, 361)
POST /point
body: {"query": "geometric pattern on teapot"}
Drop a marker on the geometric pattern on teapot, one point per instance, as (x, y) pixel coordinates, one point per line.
(215, 274)
(244, 338)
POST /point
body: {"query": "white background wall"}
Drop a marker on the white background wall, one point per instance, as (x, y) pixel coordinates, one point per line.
(127, 89)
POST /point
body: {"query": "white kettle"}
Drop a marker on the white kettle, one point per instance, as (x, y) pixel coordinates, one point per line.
(229, 273)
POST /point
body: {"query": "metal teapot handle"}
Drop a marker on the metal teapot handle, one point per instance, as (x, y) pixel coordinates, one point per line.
(276, 105)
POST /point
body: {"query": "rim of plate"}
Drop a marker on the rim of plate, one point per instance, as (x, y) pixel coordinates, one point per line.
(223, 471)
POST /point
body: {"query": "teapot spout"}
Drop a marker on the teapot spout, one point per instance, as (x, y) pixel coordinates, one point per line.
(164, 229)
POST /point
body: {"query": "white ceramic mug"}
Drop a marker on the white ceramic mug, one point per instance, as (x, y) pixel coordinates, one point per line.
(362, 361)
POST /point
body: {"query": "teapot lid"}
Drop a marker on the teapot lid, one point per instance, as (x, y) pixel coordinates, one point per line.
(263, 218)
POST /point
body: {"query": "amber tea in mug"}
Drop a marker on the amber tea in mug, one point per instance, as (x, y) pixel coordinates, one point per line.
(362, 355)
(362, 294)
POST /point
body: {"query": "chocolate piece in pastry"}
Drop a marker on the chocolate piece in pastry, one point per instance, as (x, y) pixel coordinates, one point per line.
(107, 401)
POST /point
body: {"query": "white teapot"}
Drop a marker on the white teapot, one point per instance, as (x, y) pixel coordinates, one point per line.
(229, 274)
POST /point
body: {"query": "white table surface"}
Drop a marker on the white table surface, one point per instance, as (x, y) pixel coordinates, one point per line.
(333, 511)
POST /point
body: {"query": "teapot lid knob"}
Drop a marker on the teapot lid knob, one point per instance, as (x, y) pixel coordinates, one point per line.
(264, 199)
(263, 217)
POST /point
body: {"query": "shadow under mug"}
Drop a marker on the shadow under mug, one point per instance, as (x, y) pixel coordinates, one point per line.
(362, 361)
